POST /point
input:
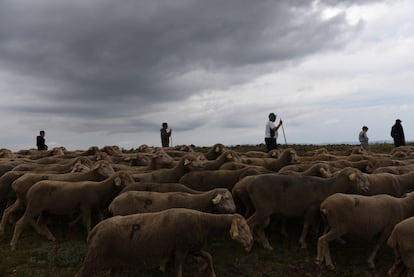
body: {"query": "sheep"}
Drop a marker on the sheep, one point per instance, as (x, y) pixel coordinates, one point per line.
(6, 192)
(396, 169)
(151, 239)
(401, 241)
(60, 197)
(291, 196)
(274, 153)
(209, 179)
(61, 168)
(319, 169)
(215, 151)
(171, 175)
(159, 187)
(361, 216)
(21, 185)
(5, 167)
(213, 201)
(286, 158)
(226, 156)
(386, 183)
(179, 151)
(7, 153)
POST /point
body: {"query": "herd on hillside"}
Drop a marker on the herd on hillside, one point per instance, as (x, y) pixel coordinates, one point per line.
(170, 201)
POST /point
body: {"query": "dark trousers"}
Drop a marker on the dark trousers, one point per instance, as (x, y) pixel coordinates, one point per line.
(270, 144)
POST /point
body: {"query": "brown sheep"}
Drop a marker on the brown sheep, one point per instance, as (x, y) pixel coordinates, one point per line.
(401, 241)
(172, 175)
(151, 239)
(63, 198)
(209, 179)
(225, 157)
(159, 187)
(273, 164)
(59, 168)
(219, 201)
(6, 191)
(7, 153)
(396, 169)
(291, 196)
(319, 169)
(386, 183)
(215, 151)
(20, 186)
(361, 216)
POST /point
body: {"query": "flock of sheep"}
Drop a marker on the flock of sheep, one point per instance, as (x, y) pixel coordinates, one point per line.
(170, 201)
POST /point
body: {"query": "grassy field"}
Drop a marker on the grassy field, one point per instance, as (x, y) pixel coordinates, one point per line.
(36, 256)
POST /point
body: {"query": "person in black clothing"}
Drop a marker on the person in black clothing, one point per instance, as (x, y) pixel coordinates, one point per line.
(165, 135)
(40, 141)
(397, 133)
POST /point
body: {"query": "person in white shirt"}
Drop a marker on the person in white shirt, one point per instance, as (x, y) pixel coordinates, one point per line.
(271, 132)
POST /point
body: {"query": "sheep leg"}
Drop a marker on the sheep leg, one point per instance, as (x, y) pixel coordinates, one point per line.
(86, 218)
(115, 272)
(6, 214)
(18, 230)
(308, 219)
(179, 258)
(207, 257)
(41, 228)
(323, 253)
(258, 224)
(381, 240)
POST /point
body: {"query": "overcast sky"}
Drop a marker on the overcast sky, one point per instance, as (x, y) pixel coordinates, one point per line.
(103, 72)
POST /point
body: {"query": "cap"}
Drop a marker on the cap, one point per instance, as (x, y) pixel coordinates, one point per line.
(398, 120)
(272, 114)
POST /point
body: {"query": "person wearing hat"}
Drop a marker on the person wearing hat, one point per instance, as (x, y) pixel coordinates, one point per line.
(271, 132)
(397, 133)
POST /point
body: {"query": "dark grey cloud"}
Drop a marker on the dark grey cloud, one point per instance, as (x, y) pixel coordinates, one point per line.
(106, 58)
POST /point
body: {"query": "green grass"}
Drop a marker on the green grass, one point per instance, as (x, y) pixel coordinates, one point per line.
(35, 256)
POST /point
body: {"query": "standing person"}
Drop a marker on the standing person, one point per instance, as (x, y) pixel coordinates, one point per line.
(165, 134)
(363, 138)
(40, 141)
(397, 133)
(271, 132)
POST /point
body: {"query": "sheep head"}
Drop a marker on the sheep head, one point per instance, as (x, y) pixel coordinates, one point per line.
(193, 161)
(223, 202)
(240, 232)
(104, 168)
(122, 179)
(360, 180)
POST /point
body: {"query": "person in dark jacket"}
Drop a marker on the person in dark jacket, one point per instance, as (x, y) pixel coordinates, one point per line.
(165, 135)
(40, 141)
(397, 133)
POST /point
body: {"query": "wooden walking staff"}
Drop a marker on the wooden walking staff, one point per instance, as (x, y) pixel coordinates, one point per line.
(283, 130)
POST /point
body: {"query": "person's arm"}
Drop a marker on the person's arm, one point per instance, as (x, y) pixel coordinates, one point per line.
(278, 126)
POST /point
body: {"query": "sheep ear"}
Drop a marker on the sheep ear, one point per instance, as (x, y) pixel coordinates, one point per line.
(217, 199)
(352, 176)
(117, 181)
(186, 162)
(234, 229)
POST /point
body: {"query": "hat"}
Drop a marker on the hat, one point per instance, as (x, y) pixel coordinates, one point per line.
(398, 120)
(272, 115)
